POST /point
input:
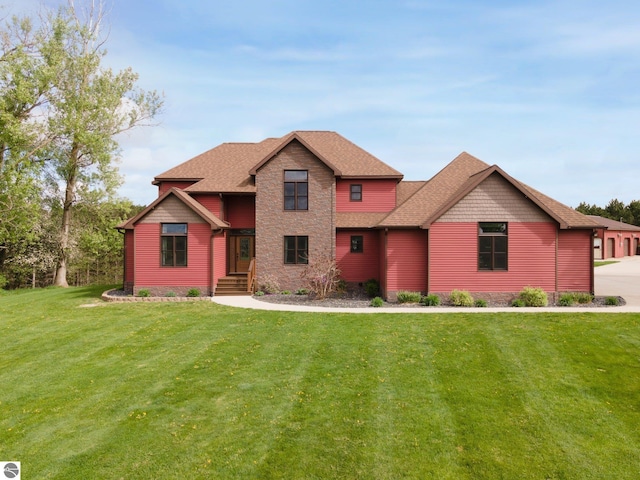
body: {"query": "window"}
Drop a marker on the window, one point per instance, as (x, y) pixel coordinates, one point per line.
(357, 244)
(296, 250)
(492, 246)
(296, 190)
(173, 245)
(355, 193)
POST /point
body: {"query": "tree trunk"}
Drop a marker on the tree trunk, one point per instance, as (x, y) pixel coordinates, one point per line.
(61, 273)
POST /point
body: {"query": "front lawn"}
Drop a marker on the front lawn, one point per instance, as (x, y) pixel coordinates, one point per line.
(196, 390)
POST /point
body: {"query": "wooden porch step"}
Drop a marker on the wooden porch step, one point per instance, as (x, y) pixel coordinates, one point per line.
(232, 285)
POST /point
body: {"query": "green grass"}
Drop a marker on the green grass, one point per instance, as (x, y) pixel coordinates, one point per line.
(196, 390)
(602, 263)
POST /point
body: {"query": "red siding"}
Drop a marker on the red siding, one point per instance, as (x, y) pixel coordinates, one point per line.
(454, 258)
(575, 264)
(164, 186)
(358, 267)
(377, 196)
(406, 260)
(241, 211)
(211, 203)
(147, 250)
(128, 256)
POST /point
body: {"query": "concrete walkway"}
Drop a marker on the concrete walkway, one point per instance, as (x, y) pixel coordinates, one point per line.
(617, 279)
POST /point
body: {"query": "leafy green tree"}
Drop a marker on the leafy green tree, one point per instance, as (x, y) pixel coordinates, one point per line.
(616, 210)
(25, 79)
(88, 107)
(634, 212)
(588, 209)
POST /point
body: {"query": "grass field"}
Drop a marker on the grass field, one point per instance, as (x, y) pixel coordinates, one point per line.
(196, 390)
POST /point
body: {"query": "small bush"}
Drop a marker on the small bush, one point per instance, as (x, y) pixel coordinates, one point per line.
(170, 294)
(341, 287)
(268, 284)
(533, 297)
(431, 300)
(409, 297)
(583, 297)
(566, 300)
(286, 292)
(3, 281)
(143, 292)
(193, 292)
(302, 291)
(518, 302)
(372, 287)
(259, 293)
(377, 302)
(612, 301)
(480, 303)
(321, 276)
(461, 298)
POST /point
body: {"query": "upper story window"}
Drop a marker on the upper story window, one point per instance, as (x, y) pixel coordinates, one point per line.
(296, 190)
(492, 245)
(173, 245)
(355, 192)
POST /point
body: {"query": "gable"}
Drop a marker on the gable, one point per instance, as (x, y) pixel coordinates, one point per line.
(492, 200)
(171, 210)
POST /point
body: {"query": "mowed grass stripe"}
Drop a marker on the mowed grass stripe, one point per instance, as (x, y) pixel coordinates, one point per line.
(565, 395)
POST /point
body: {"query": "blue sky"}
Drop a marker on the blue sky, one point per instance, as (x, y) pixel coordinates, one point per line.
(548, 90)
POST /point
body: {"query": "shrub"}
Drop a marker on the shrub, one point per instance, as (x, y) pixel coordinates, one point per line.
(481, 303)
(322, 276)
(3, 281)
(377, 302)
(286, 292)
(268, 284)
(341, 287)
(517, 302)
(372, 287)
(302, 291)
(611, 301)
(259, 293)
(409, 297)
(170, 294)
(583, 297)
(533, 297)
(193, 292)
(143, 292)
(461, 298)
(431, 300)
(569, 298)
(566, 300)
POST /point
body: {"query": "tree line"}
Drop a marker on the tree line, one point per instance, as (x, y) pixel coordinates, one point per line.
(614, 210)
(61, 111)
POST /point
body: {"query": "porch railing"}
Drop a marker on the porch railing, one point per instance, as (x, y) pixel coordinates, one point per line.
(251, 276)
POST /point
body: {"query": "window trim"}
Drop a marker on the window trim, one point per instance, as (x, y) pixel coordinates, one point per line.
(359, 245)
(355, 192)
(296, 195)
(502, 233)
(166, 234)
(300, 255)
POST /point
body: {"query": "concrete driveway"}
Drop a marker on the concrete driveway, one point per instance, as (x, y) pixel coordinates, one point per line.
(621, 278)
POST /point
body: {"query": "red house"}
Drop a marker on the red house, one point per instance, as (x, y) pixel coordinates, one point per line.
(247, 210)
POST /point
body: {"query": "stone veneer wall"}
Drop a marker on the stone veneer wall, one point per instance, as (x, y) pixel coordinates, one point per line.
(273, 223)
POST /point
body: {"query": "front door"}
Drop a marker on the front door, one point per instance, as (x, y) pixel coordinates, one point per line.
(243, 252)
